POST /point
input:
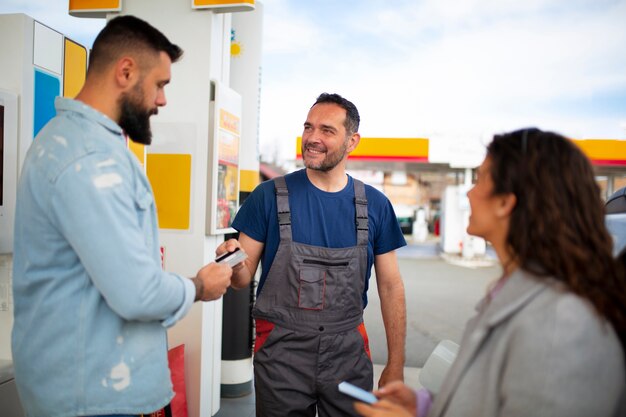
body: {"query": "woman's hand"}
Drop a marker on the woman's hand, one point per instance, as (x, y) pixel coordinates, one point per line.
(399, 393)
(396, 400)
(382, 408)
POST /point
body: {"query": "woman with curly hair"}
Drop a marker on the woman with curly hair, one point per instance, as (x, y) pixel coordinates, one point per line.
(546, 339)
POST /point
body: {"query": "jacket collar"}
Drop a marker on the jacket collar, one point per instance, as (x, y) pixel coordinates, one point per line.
(519, 289)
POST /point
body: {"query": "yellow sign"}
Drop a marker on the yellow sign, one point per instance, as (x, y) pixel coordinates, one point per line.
(604, 151)
(139, 150)
(94, 8)
(229, 121)
(385, 149)
(74, 68)
(224, 164)
(170, 177)
(248, 180)
(224, 6)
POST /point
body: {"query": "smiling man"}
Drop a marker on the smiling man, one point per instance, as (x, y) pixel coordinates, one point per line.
(317, 232)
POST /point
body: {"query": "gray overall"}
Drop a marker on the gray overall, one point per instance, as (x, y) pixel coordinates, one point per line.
(312, 302)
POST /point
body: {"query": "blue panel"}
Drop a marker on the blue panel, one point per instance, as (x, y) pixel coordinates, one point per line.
(47, 88)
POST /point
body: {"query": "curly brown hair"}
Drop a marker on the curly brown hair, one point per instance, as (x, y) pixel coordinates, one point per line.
(557, 227)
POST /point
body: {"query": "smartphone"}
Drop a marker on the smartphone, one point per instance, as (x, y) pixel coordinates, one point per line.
(232, 258)
(357, 393)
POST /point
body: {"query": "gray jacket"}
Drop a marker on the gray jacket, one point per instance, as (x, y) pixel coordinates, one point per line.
(535, 350)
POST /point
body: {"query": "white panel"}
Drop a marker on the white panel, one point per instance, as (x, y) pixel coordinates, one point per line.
(212, 326)
(48, 49)
(228, 100)
(237, 372)
(16, 72)
(212, 352)
(6, 307)
(245, 78)
(177, 138)
(453, 219)
(203, 36)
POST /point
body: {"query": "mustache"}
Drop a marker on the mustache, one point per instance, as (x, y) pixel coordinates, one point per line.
(315, 147)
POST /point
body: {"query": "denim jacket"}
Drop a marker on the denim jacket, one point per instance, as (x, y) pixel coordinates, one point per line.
(92, 302)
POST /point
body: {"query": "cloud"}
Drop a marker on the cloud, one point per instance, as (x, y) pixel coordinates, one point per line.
(435, 68)
(426, 67)
(54, 14)
(287, 31)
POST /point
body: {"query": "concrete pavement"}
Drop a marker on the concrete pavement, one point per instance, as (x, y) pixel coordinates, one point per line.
(441, 293)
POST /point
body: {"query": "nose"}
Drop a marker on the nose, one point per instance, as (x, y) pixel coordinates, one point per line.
(312, 138)
(160, 99)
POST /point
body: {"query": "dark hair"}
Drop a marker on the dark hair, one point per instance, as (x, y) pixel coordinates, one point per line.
(129, 34)
(352, 114)
(557, 226)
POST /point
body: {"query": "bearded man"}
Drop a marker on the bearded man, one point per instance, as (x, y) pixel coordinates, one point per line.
(317, 232)
(92, 302)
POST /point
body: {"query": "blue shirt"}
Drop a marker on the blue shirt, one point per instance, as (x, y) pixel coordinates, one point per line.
(92, 302)
(318, 218)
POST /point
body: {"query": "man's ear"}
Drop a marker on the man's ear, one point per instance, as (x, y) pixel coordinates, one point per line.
(506, 204)
(126, 71)
(353, 142)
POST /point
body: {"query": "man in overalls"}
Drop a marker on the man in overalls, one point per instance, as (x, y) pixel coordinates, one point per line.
(317, 233)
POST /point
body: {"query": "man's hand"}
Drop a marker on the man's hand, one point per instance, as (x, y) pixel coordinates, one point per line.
(243, 272)
(391, 373)
(229, 246)
(212, 281)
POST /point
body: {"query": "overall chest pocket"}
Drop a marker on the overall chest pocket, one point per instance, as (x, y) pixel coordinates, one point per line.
(314, 277)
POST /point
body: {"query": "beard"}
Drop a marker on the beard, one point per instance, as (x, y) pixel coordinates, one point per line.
(134, 118)
(330, 161)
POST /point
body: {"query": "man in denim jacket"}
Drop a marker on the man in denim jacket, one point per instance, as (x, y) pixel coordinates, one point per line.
(92, 302)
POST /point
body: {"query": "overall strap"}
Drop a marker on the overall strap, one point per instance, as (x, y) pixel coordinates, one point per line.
(360, 205)
(282, 208)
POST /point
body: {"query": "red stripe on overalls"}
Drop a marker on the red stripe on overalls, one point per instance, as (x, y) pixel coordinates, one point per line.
(263, 330)
(366, 341)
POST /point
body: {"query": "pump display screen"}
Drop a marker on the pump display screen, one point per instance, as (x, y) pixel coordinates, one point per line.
(8, 171)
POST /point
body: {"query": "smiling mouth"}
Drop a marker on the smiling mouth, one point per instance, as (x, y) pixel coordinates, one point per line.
(315, 151)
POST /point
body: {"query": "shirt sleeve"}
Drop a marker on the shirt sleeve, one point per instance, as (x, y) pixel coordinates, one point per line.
(98, 210)
(188, 300)
(424, 401)
(387, 234)
(251, 217)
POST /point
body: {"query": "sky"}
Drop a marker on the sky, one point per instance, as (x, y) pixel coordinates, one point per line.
(453, 71)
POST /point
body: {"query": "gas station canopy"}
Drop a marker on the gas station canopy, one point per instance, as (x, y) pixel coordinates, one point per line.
(607, 155)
